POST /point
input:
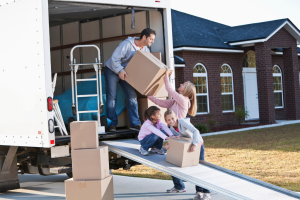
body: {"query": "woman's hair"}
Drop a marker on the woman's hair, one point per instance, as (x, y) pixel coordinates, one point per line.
(149, 112)
(169, 112)
(190, 92)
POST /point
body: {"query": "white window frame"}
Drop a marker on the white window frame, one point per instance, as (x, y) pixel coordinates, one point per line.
(202, 94)
(278, 75)
(228, 75)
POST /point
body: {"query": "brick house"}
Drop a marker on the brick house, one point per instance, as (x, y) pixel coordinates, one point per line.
(254, 66)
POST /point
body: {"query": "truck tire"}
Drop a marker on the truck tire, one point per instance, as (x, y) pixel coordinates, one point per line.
(103, 121)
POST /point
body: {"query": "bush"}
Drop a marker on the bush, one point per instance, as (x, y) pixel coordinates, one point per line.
(211, 122)
(202, 128)
(240, 114)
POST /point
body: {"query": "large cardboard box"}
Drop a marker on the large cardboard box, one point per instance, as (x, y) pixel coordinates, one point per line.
(179, 154)
(157, 55)
(89, 164)
(145, 73)
(90, 189)
(145, 103)
(84, 135)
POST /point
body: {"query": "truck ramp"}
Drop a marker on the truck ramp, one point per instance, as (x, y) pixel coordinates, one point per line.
(207, 175)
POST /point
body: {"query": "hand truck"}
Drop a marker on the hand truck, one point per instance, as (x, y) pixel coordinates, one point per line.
(97, 67)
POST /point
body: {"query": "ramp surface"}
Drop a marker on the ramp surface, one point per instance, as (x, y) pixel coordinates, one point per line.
(220, 180)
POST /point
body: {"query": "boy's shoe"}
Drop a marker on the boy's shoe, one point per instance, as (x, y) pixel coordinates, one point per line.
(158, 151)
(174, 190)
(206, 196)
(143, 151)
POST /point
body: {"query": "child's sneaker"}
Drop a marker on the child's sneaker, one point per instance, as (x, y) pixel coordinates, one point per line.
(143, 151)
(158, 151)
(174, 190)
(206, 196)
(199, 196)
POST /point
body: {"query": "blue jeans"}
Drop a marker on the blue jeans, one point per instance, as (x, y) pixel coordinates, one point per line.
(178, 183)
(111, 85)
(150, 141)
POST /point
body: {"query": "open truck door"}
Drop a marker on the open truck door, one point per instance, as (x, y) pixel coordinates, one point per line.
(25, 77)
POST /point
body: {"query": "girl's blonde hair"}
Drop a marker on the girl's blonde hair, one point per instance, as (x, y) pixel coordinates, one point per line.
(168, 112)
(190, 92)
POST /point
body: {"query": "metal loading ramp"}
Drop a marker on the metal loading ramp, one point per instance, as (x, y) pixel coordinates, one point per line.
(212, 177)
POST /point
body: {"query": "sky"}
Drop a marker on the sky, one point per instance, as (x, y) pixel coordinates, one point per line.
(239, 12)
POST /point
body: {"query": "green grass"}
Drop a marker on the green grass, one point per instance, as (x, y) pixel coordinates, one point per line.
(271, 155)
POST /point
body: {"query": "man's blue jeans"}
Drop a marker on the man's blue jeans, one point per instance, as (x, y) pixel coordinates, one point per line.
(111, 85)
(178, 183)
(152, 140)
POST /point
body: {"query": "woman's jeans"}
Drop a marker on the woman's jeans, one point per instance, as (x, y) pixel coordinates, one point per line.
(150, 141)
(111, 85)
(178, 183)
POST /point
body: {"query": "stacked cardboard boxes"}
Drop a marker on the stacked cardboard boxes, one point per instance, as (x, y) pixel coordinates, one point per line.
(90, 165)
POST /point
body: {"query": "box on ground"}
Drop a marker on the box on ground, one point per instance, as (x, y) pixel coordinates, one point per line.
(179, 154)
(84, 135)
(89, 164)
(145, 73)
(90, 189)
(145, 103)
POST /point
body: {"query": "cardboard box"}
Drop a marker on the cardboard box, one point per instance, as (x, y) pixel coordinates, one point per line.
(90, 189)
(89, 164)
(157, 55)
(144, 103)
(145, 73)
(179, 154)
(84, 135)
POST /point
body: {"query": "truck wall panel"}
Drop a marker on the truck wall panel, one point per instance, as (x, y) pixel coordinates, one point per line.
(55, 36)
(90, 31)
(140, 23)
(70, 33)
(109, 48)
(112, 27)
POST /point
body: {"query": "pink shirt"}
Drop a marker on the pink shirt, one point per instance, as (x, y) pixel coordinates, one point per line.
(179, 104)
(148, 128)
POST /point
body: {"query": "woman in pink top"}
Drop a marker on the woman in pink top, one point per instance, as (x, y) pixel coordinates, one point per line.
(151, 134)
(183, 102)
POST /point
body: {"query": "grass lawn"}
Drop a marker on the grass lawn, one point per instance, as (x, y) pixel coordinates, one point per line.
(271, 155)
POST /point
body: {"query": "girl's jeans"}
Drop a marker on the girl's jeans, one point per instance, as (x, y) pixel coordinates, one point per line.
(178, 183)
(150, 141)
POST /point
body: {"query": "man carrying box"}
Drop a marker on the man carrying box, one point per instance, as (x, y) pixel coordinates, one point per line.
(114, 73)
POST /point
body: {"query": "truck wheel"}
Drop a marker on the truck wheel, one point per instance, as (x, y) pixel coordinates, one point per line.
(70, 174)
(71, 119)
(103, 121)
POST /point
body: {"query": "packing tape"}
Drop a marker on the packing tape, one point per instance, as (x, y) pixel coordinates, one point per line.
(83, 144)
(82, 184)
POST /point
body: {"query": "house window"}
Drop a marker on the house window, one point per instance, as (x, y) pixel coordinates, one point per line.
(249, 60)
(200, 81)
(277, 84)
(227, 88)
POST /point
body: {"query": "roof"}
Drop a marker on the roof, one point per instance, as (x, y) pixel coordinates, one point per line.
(192, 31)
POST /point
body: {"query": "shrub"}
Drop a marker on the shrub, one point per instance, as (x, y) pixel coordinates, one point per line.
(240, 114)
(202, 128)
(211, 122)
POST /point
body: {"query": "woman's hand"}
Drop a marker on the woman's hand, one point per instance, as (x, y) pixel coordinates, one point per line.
(167, 138)
(169, 72)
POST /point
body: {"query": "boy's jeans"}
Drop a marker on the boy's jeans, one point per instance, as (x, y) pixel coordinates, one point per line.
(111, 86)
(178, 183)
(150, 141)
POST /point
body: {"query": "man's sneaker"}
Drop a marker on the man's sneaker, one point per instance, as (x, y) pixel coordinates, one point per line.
(199, 196)
(137, 128)
(112, 128)
(143, 152)
(158, 151)
(206, 196)
(174, 190)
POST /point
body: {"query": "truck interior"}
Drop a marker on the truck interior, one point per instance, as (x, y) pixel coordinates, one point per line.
(105, 26)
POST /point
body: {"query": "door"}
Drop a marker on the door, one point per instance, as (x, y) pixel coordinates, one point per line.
(25, 74)
(251, 93)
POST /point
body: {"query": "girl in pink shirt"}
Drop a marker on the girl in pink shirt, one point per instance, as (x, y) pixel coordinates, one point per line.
(183, 102)
(151, 134)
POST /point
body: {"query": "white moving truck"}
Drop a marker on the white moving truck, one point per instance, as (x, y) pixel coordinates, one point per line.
(35, 41)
